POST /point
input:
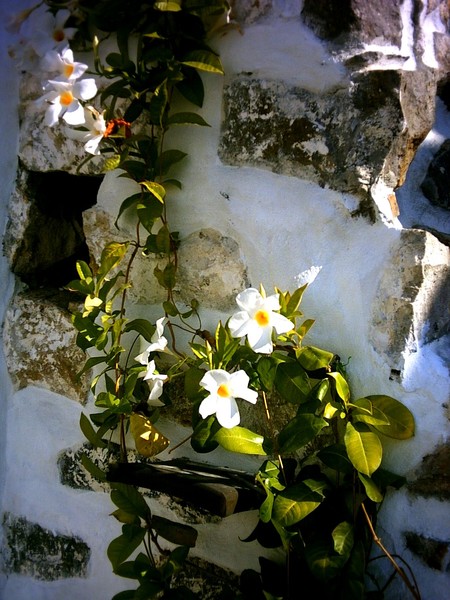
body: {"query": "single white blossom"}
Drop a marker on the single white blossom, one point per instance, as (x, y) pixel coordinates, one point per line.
(158, 342)
(223, 388)
(308, 276)
(155, 383)
(92, 134)
(63, 63)
(47, 31)
(257, 319)
(64, 101)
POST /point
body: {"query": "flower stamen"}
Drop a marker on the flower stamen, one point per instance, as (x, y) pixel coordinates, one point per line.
(224, 391)
(262, 317)
(66, 98)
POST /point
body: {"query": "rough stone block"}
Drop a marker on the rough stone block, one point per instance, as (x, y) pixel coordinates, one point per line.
(40, 349)
(433, 477)
(434, 553)
(412, 305)
(40, 553)
(341, 139)
(211, 270)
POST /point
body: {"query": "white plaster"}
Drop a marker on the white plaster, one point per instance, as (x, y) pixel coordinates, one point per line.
(430, 23)
(283, 225)
(281, 49)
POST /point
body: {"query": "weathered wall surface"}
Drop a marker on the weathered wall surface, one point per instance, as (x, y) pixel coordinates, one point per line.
(307, 162)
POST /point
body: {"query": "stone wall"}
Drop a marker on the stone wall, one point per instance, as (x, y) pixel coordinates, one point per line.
(322, 133)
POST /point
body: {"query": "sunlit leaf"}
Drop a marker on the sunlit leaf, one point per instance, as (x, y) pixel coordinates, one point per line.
(401, 421)
(342, 388)
(312, 358)
(241, 440)
(363, 448)
(168, 5)
(154, 188)
(294, 504)
(203, 60)
(149, 441)
(372, 490)
(89, 432)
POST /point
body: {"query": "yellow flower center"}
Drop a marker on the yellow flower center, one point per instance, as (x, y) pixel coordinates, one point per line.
(224, 390)
(68, 70)
(66, 98)
(58, 35)
(262, 318)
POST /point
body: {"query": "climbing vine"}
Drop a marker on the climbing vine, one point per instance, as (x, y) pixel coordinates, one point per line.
(320, 482)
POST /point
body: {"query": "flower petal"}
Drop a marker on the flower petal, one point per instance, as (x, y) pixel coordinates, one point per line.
(239, 324)
(85, 89)
(260, 339)
(74, 114)
(281, 324)
(249, 300)
(227, 413)
(208, 406)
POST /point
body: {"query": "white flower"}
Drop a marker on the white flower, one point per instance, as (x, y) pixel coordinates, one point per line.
(155, 383)
(47, 32)
(308, 276)
(92, 135)
(158, 342)
(223, 388)
(64, 64)
(64, 101)
(257, 319)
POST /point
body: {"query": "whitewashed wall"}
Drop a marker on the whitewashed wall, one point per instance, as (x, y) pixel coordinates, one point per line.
(282, 225)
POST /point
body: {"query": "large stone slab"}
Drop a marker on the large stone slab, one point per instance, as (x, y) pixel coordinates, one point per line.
(40, 348)
(413, 298)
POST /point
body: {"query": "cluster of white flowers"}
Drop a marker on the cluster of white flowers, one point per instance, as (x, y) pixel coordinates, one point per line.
(158, 343)
(43, 49)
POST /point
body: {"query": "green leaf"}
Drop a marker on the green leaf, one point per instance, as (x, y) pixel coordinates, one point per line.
(267, 370)
(83, 270)
(321, 560)
(111, 256)
(167, 277)
(366, 412)
(129, 499)
(241, 440)
(191, 87)
(163, 240)
(90, 433)
(343, 539)
(176, 533)
(141, 326)
(124, 517)
(167, 159)
(265, 510)
(371, 489)
(401, 421)
(187, 118)
(203, 60)
(111, 163)
(202, 439)
(363, 448)
(292, 382)
(342, 388)
(312, 358)
(92, 468)
(294, 503)
(126, 204)
(148, 213)
(121, 547)
(125, 595)
(301, 430)
(335, 457)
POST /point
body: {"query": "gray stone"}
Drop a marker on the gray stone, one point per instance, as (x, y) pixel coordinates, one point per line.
(412, 303)
(345, 139)
(435, 186)
(40, 348)
(40, 553)
(434, 553)
(246, 12)
(211, 270)
(433, 476)
(360, 19)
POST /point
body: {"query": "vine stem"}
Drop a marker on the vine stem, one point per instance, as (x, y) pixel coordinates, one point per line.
(272, 434)
(413, 589)
(123, 447)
